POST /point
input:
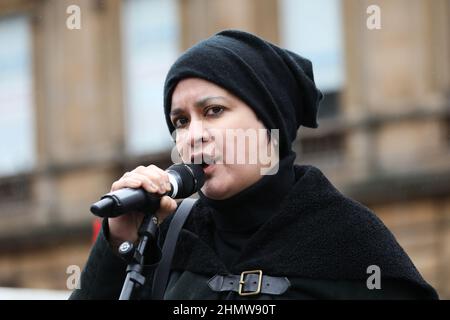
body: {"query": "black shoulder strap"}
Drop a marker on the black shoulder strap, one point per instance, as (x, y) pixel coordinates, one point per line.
(162, 271)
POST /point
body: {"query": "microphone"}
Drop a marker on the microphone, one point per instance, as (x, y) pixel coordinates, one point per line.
(185, 179)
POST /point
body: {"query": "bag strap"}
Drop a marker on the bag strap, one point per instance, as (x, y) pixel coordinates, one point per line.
(162, 271)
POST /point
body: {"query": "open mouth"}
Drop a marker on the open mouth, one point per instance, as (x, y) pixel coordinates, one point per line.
(207, 162)
(204, 165)
(208, 168)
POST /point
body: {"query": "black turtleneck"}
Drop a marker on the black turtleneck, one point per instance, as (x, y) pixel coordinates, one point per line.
(237, 218)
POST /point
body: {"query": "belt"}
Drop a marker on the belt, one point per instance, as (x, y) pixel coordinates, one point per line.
(249, 283)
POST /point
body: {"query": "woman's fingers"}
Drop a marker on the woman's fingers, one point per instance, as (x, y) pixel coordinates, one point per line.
(166, 207)
(159, 176)
(151, 178)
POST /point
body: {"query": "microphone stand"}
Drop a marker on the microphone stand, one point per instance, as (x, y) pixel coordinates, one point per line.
(135, 278)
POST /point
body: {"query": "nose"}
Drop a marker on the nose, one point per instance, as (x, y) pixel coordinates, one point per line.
(191, 140)
(197, 134)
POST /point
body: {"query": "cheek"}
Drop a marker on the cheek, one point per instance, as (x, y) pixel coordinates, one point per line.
(182, 147)
(182, 151)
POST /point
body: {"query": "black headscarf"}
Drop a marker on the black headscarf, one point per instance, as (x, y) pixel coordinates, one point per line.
(276, 83)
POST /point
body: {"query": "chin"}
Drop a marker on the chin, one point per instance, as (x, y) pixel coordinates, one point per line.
(215, 189)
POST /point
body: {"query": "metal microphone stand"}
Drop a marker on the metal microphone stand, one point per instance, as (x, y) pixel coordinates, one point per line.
(135, 279)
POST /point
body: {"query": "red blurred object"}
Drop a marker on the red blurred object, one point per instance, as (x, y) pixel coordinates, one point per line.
(96, 226)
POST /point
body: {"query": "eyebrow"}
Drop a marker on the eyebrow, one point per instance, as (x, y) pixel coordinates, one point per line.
(198, 104)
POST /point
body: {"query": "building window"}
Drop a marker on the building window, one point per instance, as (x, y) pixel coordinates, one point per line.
(313, 29)
(328, 148)
(17, 129)
(150, 45)
(16, 189)
(329, 106)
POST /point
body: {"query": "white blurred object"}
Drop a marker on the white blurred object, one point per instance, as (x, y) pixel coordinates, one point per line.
(33, 294)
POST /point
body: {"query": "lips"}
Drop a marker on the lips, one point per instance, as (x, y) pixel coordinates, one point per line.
(203, 159)
(207, 162)
(208, 169)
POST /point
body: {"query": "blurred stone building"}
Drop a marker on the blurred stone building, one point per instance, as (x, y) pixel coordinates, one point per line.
(80, 106)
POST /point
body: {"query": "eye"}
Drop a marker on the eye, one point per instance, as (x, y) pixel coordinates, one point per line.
(180, 122)
(214, 110)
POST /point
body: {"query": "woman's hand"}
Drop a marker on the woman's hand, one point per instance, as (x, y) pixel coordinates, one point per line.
(152, 179)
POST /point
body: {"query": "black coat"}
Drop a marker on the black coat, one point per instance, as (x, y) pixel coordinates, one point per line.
(320, 241)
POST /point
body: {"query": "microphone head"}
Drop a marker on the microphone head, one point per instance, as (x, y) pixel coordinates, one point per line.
(191, 178)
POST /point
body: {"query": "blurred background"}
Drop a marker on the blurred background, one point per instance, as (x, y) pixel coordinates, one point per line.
(80, 104)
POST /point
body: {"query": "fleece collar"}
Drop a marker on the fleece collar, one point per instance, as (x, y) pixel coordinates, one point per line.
(317, 233)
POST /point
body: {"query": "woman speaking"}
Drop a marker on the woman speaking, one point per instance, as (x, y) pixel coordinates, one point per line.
(262, 228)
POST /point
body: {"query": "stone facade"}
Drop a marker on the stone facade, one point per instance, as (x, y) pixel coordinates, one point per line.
(388, 146)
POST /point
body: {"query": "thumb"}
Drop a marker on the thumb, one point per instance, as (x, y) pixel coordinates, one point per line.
(166, 207)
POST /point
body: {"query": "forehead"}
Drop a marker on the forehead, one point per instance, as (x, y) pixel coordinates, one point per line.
(192, 89)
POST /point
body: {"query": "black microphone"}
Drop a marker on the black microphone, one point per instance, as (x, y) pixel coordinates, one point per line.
(185, 179)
